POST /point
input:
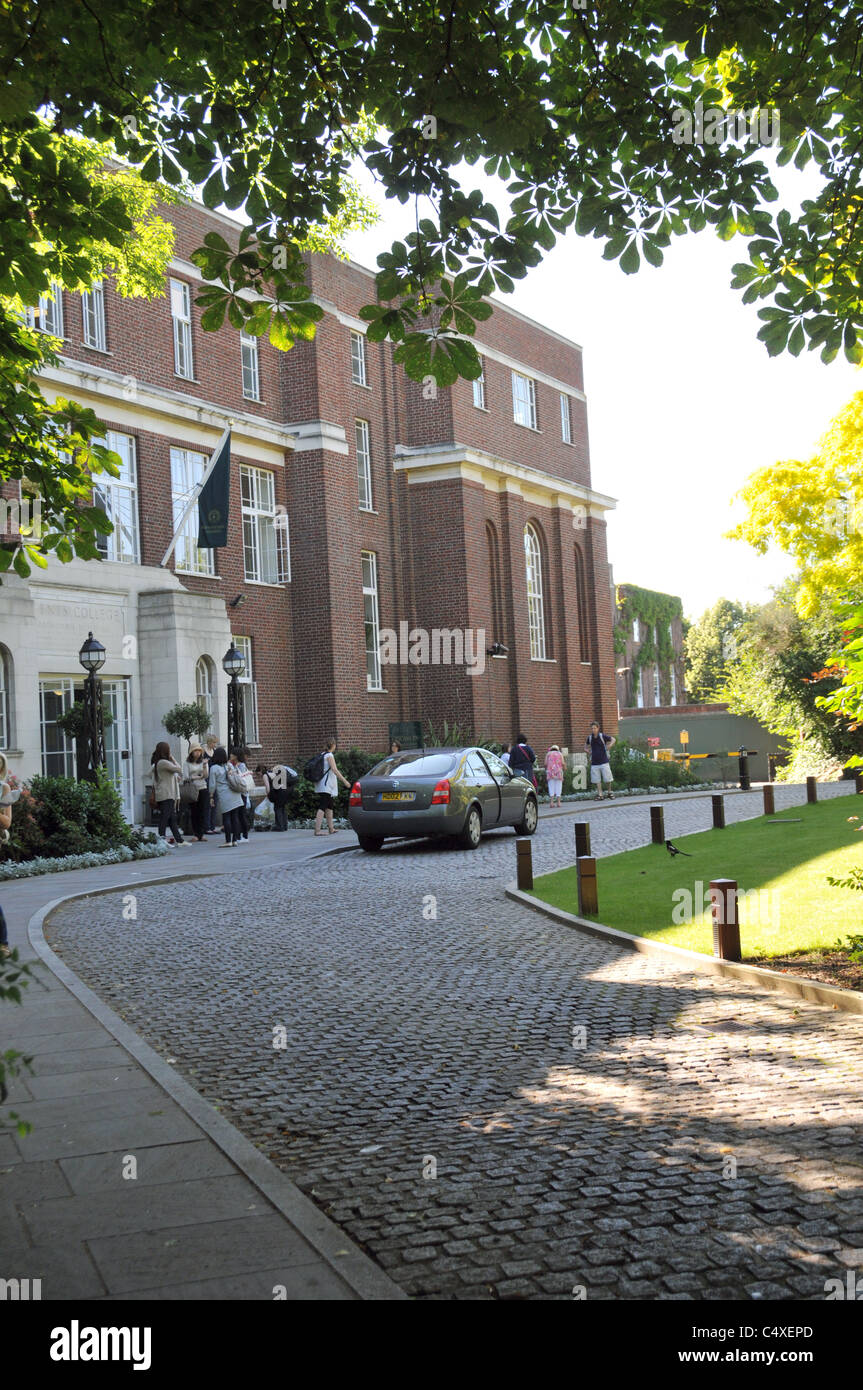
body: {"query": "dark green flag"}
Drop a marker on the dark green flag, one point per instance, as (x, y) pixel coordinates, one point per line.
(213, 500)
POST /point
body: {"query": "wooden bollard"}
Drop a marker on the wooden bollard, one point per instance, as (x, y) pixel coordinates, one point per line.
(769, 807)
(524, 863)
(582, 838)
(718, 812)
(657, 825)
(726, 928)
(588, 897)
(811, 790)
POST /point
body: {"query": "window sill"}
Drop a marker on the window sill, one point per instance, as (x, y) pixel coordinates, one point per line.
(193, 380)
(369, 511)
(256, 400)
(585, 663)
(91, 347)
(568, 442)
(376, 690)
(534, 429)
(545, 660)
(196, 574)
(484, 408)
(363, 385)
(267, 584)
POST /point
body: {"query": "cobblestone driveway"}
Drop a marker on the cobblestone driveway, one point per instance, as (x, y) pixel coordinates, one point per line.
(705, 1143)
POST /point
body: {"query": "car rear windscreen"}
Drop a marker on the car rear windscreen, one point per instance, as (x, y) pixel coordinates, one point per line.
(416, 765)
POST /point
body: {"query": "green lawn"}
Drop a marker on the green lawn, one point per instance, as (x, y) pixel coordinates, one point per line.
(793, 909)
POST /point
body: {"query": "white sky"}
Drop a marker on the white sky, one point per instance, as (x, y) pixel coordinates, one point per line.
(683, 401)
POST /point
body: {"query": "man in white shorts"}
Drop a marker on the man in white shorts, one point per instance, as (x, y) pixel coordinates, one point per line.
(597, 745)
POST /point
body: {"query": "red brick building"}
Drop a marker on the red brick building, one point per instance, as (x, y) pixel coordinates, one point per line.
(410, 510)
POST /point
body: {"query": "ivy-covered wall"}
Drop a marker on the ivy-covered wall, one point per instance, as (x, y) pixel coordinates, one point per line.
(656, 613)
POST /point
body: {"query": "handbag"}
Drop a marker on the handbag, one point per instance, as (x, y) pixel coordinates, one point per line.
(189, 790)
(236, 780)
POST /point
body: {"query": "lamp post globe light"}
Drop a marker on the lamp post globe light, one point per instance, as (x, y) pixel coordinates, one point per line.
(234, 664)
(92, 658)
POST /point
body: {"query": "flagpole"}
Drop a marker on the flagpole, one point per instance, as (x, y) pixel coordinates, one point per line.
(196, 492)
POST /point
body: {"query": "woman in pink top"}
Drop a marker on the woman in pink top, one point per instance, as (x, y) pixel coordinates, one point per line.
(554, 774)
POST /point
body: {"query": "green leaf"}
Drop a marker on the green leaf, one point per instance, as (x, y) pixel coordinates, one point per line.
(630, 261)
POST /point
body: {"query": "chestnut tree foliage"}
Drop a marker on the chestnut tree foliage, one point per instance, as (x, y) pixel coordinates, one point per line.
(265, 106)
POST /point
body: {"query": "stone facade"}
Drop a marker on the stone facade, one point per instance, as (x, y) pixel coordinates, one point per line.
(455, 482)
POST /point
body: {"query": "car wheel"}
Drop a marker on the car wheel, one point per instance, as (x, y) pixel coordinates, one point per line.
(527, 825)
(370, 843)
(472, 832)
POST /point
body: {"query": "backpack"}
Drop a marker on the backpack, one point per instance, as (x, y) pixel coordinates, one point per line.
(316, 767)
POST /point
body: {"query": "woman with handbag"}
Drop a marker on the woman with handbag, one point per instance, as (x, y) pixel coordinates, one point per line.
(225, 786)
(238, 761)
(166, 791)
(194, 789)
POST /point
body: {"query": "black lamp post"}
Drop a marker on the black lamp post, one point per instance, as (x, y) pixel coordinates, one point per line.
(234, 664)
(92, 658)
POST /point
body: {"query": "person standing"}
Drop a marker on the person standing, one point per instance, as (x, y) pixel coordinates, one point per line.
(166, 774)
(554, 774)
(238, 760)
(226, 798)
(327, 789)
(197, 772)
(278, 781)
(522, 759)
(504, 754)
(597, 745)
(210, 827)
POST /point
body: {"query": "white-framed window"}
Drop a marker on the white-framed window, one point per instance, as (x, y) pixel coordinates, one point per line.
(657, 687)
(5, 698)
(48, 318)
(364, 465)
(359, 374)
(639, 689)
(251, 372)
(265, 538)
(535, 606)
(636, 630)
(565, 422)
(248, 692)
(181, 315)
(524, 400)
(479, 388)
(187, 470)
(118, 498)
(56, 696)
(371, 619)
(673, 682)
(205, 694)
(93, 316)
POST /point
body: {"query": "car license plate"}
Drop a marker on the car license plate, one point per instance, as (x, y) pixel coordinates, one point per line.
(398, 796)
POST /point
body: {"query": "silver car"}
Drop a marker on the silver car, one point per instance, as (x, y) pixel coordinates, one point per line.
(440, 791)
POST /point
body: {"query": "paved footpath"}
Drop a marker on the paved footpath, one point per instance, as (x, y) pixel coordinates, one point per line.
(129, 1186)
(397, 1037)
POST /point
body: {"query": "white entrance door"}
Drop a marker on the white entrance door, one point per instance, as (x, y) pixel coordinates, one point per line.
(118, 745)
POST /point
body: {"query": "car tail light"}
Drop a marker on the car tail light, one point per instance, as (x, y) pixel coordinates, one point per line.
(356, 797)
(440, 795)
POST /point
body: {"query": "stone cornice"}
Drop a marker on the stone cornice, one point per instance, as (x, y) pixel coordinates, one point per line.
(436, 462)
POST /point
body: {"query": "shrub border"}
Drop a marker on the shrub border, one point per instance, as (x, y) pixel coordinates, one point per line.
(31, 868)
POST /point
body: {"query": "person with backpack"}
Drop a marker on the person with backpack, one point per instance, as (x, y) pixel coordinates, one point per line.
(522, 759)
(279, 781)
(554, 766)
(323, 772)
(165, 795)
(225, 788)
(597, 745)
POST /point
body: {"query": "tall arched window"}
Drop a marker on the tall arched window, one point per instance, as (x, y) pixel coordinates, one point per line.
(204, 685)
(581, 607)
(535, 604)
(5, 698)
(496, 602)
